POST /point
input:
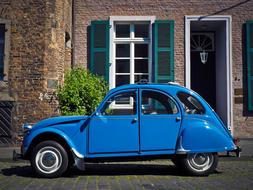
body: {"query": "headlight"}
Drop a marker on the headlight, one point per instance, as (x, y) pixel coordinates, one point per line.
(26, 127)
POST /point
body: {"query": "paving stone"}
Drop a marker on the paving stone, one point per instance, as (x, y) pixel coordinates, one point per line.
(161, 175)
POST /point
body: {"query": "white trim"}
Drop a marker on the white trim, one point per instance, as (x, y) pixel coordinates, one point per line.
(79, 155)
(132, 18)
(150, 19)
(228, 20)
(6, 46)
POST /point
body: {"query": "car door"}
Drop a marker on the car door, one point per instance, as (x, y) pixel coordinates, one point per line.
(160, 121)
(114, 128)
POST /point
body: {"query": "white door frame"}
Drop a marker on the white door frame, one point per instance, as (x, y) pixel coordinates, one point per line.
(228, 21)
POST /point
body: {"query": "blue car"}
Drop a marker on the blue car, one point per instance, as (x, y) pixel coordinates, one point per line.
(133, 122)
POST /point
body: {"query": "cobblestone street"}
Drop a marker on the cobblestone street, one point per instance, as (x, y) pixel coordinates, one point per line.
(231, 174)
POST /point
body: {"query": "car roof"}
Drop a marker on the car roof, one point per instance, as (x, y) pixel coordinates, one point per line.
(161, 86)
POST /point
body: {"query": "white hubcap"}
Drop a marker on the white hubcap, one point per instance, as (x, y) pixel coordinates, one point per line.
(200, 161)
(48, 159)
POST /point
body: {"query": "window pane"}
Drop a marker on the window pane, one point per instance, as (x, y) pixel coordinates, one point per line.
(1, 73)
(122, 31)
(2, 32)
(1, 48)
(141, 50)
(164, 81)
(122, 50)
(141, 66)
(138, 78)
(123, 66)
(164, 35)
(123, 98)
(141, 30)
(191, 104)
(157, 103)
(122, 79)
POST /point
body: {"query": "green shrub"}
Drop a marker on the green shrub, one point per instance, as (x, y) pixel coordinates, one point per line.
(81, 92)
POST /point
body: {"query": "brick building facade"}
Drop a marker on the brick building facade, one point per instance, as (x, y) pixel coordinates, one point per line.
(104, 34)
(36, 56)
(230, 16)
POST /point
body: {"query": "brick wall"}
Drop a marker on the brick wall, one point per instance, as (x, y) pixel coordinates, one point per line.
(88, 10)
(37, 55)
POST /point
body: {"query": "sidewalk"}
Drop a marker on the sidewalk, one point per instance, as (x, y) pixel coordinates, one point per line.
(245, 143)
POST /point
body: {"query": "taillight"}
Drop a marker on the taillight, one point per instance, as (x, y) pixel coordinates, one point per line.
(236, 141)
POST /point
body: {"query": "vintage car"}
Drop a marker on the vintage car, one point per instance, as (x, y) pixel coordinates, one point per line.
(133, 122)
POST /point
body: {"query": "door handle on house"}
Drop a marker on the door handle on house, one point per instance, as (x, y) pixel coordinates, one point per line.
(134, 120)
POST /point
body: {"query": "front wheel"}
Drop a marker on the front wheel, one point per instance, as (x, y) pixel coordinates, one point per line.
(49, 159)
(200, 164)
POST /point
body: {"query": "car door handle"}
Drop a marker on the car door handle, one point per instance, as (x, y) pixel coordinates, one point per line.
(178, 119)
(134, 120)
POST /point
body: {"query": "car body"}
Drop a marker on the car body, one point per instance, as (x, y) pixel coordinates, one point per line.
(137, 121)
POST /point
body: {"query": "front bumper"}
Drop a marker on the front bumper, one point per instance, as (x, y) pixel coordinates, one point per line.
(17, 156)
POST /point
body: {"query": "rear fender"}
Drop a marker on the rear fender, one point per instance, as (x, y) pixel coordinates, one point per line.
(203, 137)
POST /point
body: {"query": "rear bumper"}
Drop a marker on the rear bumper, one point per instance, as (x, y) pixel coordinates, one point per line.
(236, 151)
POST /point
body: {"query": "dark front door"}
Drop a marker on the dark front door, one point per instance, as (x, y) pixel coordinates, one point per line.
(203, 78)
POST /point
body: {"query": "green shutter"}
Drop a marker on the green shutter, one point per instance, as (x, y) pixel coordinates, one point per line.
(99, 48)
(163, 51)
(249, 38)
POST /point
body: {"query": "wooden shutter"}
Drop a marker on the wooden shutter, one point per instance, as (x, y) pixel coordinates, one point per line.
(99, 48)
(163, 51)
(249, 44)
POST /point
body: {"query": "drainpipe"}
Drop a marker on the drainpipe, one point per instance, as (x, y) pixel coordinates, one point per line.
(73, 34)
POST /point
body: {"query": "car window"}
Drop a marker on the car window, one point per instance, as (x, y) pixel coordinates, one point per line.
(191, 104)
(157, 103)
(113, 104)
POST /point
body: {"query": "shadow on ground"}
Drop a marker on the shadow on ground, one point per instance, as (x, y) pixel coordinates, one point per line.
(104, 170)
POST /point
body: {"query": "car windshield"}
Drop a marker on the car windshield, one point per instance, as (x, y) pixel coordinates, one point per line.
(191, 104)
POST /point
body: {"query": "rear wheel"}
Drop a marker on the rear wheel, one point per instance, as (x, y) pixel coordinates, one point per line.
(200, 164)
(49, 159)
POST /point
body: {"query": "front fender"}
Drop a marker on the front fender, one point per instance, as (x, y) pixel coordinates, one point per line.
(27, 142)
(204, 137)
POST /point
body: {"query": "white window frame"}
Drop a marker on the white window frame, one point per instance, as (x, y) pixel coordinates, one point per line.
(7, 24)
(128, 20)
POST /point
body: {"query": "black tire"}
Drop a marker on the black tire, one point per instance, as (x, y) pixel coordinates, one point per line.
(177, 161)
(49, 159)
(199, 164)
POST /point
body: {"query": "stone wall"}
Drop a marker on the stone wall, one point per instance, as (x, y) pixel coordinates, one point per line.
(37, 55)
(88, 10)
